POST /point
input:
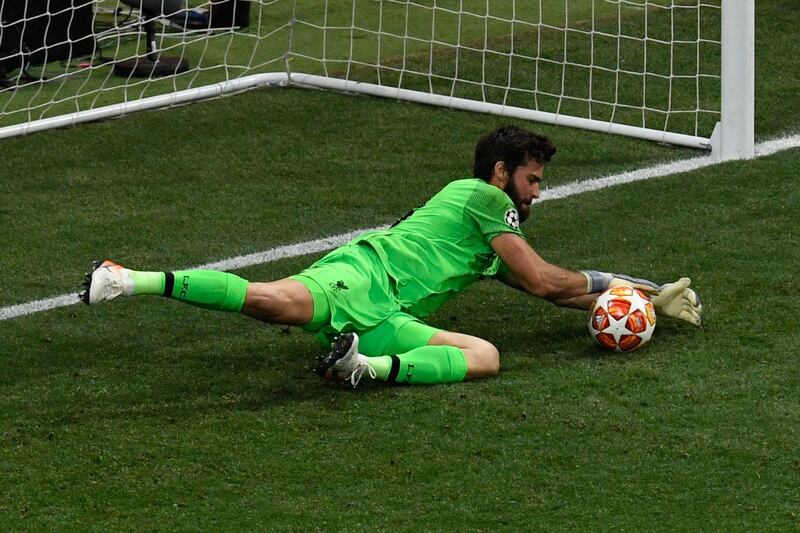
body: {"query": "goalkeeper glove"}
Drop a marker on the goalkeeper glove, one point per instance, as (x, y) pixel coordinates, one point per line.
(679, 301)
(675, 300)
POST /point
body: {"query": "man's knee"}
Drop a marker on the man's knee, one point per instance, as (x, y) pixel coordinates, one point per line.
(286, 301)
(484, 360)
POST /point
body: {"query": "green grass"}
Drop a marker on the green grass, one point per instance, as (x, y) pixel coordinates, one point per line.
(150, 412)
(146, 414)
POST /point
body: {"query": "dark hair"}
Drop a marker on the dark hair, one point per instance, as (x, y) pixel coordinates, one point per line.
(512, 145)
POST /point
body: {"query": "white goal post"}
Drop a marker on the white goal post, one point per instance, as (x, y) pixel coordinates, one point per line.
(672, 71)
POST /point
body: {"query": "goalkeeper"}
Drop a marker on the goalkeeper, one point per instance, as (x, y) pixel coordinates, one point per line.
(367, 298)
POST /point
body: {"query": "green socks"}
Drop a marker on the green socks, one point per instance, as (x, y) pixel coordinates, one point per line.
(221, 291)
(209, 289)
(147, 282)
(423, 365)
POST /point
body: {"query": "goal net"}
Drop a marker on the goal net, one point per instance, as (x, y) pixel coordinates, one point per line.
(647, 68)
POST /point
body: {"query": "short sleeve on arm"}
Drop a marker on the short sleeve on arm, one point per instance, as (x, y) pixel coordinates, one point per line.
(492, 211)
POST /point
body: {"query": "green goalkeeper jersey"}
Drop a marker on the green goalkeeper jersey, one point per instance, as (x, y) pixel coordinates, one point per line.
(443, 246)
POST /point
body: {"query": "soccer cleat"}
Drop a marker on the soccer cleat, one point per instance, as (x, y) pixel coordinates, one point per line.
(343, 347)
(106, 281)
(362, 365)
(344, 361)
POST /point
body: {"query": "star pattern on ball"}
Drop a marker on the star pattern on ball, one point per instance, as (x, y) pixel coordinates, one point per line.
(622, 319)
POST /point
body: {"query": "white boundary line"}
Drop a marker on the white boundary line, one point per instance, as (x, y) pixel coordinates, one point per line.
(327, 243)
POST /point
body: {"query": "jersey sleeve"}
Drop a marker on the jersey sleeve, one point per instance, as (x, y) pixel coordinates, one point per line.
(496, 269)
(493, 212)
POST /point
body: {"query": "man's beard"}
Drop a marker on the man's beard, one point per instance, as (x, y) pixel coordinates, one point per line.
(523, 209)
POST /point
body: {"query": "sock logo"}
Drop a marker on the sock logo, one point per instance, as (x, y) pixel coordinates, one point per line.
(184, 287)
(339, 286)
(409, 371)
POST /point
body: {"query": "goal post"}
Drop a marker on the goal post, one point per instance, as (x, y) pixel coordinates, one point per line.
(734, 136)
(672, 71)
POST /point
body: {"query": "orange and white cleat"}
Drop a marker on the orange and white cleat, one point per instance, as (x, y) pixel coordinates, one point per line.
(106, 281)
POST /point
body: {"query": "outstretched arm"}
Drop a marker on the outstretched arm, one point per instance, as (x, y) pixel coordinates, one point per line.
(528, 272)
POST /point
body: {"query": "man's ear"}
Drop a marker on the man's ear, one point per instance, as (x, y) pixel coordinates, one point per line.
(500, 171)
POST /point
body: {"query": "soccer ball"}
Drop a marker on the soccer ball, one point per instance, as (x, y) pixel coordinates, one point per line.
(622, 319)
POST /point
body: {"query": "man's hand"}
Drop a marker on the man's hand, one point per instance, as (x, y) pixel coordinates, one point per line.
(677, 300)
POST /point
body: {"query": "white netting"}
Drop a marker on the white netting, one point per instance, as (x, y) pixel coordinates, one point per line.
(651, 64)
(81, 78)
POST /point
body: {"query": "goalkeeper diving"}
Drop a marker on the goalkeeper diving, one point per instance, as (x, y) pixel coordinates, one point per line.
(367, 300)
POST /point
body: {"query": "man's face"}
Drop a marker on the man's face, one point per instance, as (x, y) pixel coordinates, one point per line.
(523, 187)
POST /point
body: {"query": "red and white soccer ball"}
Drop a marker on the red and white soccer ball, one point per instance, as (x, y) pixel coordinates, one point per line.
(622, 319)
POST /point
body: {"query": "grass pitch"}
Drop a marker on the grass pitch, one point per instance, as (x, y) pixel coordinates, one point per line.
(146, 411)
(146, 414)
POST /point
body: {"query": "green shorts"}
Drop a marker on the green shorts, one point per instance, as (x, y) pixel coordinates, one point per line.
(352, 292)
